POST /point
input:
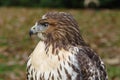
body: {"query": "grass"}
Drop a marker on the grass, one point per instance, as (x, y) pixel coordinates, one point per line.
(100, 28)
(10, 68)
(114, 72)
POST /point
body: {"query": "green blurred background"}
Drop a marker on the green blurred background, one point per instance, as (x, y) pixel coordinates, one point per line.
(62, 3)
(99, 22)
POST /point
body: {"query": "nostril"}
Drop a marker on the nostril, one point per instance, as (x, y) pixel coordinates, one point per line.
(33, 28)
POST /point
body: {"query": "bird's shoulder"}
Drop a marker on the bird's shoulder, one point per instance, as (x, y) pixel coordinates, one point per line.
(90, 63)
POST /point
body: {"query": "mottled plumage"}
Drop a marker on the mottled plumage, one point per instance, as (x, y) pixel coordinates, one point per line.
(61, 53)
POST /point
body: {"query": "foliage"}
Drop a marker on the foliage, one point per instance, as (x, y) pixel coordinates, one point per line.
(106, 2)
(51, 3)
(54, 3)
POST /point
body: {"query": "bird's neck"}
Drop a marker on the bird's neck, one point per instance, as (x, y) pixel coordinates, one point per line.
(41, 55)
(64, 40)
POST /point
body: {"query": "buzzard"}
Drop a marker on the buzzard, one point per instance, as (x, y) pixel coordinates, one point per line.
(61, 53)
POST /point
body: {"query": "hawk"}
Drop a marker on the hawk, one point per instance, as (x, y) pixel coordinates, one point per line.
(61, 53)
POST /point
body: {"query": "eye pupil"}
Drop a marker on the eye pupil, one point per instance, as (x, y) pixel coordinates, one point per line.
(46, 24)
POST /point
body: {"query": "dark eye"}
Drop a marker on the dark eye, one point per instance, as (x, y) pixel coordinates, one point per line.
(45, 24)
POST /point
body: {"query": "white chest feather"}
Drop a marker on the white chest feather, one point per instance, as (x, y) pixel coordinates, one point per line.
(47, 66)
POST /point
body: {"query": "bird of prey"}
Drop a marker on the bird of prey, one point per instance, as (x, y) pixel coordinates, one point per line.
(61, 53)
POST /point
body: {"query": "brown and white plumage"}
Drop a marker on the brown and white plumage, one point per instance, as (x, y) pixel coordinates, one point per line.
(61, 53)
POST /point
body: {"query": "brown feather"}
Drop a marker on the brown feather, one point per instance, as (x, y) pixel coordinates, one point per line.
(63, 30)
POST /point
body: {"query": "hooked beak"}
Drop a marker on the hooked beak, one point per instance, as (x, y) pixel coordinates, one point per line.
(33, 30)
(30, 33)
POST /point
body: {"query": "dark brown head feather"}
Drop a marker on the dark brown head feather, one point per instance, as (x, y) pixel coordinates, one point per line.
(63, 30)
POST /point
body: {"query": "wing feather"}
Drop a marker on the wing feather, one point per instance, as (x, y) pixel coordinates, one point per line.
(91, 65)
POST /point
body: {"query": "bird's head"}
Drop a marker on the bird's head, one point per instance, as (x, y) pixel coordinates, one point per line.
(44, 27)
(57, 27)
